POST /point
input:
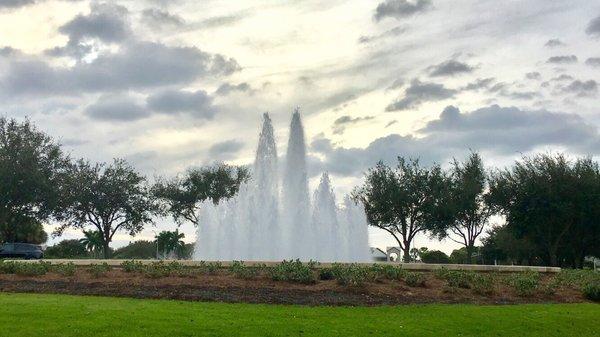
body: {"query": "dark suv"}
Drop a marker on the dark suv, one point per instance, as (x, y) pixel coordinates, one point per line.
(21, 250)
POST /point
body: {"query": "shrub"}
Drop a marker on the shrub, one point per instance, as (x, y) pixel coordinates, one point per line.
(482, 284)
(326, 274)
(351, 274)
(525, 283)
(209, 267)
(98, 270)
(440, 273)
(292, 271)
(132, 266)
(591, 290)
(31, 269)
(459, 278)
(238, 269)
(7, 267)
(65, 269)
(414, 279)
(386, 271)
(156, 270)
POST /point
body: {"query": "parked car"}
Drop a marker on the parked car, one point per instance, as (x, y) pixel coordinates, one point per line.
(21, 250)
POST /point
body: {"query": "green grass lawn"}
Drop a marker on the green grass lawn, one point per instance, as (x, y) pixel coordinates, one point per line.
(60, 315)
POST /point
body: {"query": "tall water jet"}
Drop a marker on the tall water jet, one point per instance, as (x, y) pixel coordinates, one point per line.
(354, 221)
(295, 193)
(325, 224)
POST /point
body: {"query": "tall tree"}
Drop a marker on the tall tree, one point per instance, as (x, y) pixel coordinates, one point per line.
(468, 212)
(183, 196)
(92, 240)
(170, 242)
(32, 167)
(403, 201)
(552, 202)
(107, 198)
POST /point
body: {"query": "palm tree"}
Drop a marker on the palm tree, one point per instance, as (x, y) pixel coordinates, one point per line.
(93, 242)
(170, 242)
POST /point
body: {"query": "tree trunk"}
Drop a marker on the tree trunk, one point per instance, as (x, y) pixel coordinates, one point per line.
(406, 250)
(469, 254)
(105, 250)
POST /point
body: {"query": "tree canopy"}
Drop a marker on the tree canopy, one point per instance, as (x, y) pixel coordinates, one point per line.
(405, 200)
(182, 196)
(32, 167)
(108, 199)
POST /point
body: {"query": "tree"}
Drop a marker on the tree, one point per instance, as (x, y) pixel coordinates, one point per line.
(434, 256)
(32, 167)
(66, 249)
(93, 243)
(170, 242)
(502, 246)
(141, 249)
(183, 196)
(554, 204)
(107, 198)
(468, 211)
(403, 201)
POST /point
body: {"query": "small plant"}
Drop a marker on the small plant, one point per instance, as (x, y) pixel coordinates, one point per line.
(156, 270)
(414, 279)
(31, 269)
(326, 274)
(65, 269)
(386, 271)
(7, 267)
(292, 271)
(209, 267)
(99, 270)
(132, 266)
(591, 290)
(459, 278)
(440, 273)
(482, 284)
(242, 271)
(525, 283)
(351, 275)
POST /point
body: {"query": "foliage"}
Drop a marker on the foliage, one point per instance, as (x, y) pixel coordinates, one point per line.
(405, 200)
(66, 249)
(32, 167)
(32, 269)
(459, 278)
(209, 267)
(591, 290)
(353, 275)
(554, 203)
(64, 269)
(182, 196)
(387, 271)
(483, 284)
(239, 270)
(132, 266)
(525, 283)
(502, 246)
(468, 212)
(108, 198)
(415, 279)
(292, 271)
(93, 242)
(99, 270)
(141, 249)
(433, 256)
(170, 242)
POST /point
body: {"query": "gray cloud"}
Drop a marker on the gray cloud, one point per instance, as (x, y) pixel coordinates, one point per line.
(121, 108)
(388, 33)
(225, 149)
(593, 61)
(158, 19)
(136, 65)
(399, 9)
(226, 88)
(16, 3)
(106, 22)
(562, 77)
(564, 59)
(198, 103)
(419, 92)
(391, 123)
(493, 129)
(582, 88)
(554, 43)
(480, 83)
(340, 124)
(593, 27)
(533, 76)
(450, 68)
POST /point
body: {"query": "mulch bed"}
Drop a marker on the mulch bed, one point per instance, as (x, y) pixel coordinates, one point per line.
(224, 287)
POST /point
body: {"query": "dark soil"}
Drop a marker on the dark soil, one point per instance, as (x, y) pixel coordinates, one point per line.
(224, 287)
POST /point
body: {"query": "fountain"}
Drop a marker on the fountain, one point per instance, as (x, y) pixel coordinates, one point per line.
(266, 223)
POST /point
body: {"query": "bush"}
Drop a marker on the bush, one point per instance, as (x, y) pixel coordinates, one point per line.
(591, 290)
(459, 278)
(7, 267)
(292, 271)
(482, 284)
(98, 270)
(67, 249)
(31, 269)
(132, 266)
(209, 267)
(386, 271)
(351, 274)
(414, 279)
(525, 283)
(238, 269)
(434, 256)
(156, 270)
(65, 269)
(326, 274)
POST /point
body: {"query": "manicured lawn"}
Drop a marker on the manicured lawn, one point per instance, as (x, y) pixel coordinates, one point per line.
(60, 315)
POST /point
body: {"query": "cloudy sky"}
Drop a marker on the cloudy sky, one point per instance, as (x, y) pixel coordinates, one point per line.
(172, 84)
